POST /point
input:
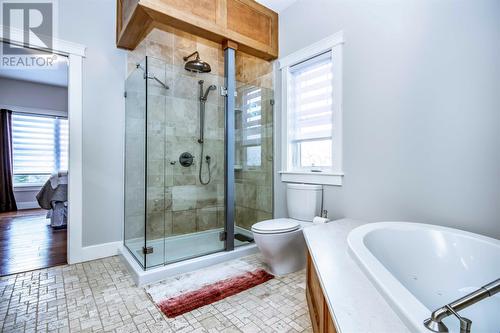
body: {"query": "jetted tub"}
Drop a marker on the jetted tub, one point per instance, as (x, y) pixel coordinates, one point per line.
(420, 267)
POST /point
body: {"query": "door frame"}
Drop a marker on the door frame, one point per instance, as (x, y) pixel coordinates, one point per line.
(75, 54)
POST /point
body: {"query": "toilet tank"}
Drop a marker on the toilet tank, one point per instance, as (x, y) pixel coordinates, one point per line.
(304, 201)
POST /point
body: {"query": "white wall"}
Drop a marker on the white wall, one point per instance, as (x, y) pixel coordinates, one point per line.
(33, 95)
(92, 23)
(421, 107)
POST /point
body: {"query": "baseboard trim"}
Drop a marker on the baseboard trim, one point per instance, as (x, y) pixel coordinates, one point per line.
(27, 205)
(98, 251)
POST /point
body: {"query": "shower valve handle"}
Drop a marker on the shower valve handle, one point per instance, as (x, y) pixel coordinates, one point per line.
(186, 159)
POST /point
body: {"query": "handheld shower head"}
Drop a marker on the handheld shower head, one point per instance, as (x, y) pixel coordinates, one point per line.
(196, 65)
(204, 93)
(205, 96)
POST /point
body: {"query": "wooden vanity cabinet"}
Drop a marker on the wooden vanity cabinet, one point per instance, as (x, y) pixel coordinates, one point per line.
(318, 308)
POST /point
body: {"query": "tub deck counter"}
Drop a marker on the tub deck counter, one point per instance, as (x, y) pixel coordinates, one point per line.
(354, 303)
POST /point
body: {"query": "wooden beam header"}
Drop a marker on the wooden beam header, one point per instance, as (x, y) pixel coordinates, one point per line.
(246, 24)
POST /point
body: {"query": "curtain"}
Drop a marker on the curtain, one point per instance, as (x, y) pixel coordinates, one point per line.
(7, 200)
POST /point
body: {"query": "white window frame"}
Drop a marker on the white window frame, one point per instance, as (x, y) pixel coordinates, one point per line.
(334, 175)
(244, 140)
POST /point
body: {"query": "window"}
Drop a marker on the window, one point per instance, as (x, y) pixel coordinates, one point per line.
(40, 147)
(252, 127)
(312, 113)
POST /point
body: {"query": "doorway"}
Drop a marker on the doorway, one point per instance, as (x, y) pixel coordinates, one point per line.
(34, 106)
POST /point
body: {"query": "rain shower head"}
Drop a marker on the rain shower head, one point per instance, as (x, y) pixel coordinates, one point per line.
(197, 65)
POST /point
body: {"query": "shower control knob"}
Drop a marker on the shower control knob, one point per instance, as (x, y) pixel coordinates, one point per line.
(186, 159)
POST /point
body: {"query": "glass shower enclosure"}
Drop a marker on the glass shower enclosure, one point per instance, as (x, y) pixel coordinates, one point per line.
(182, 131)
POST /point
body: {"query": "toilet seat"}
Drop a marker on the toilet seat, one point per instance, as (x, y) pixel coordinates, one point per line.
(276, 226)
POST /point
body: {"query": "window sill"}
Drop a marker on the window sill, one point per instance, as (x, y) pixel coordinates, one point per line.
(321, 178)
(27, 187)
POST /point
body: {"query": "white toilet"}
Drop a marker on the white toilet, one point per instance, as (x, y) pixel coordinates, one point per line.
(281, 241)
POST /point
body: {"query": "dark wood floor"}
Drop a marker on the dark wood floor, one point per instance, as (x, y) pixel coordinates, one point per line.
(27, 242)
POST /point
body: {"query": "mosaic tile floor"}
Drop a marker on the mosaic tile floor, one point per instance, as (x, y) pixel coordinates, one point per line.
(100, 296)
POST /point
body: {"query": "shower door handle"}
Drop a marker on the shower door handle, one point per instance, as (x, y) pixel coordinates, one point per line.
(223, 92)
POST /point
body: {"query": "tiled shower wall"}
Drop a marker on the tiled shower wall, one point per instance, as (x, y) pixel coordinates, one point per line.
(177, 202)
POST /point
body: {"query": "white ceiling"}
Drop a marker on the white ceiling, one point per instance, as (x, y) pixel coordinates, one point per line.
(276, 5)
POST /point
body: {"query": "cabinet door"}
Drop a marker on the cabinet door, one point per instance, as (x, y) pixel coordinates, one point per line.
(314, 296)
(329, 326)
(318, 309)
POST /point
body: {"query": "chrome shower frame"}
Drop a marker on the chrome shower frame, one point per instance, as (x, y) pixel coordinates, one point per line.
(230, 146)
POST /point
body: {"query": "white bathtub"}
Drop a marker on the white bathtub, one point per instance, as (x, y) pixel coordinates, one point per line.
(420, 267)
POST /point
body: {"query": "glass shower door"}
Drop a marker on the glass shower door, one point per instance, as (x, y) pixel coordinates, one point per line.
(254, 159)
(158, 89)
(135, 171)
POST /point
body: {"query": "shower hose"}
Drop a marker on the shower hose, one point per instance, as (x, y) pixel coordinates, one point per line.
(207, 159)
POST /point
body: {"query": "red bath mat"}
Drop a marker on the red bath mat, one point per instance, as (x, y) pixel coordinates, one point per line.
(210, 293)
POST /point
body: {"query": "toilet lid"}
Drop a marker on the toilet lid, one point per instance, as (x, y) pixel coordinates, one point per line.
(275, 226)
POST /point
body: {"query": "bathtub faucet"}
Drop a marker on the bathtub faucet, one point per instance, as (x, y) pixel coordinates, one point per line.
(435, 322)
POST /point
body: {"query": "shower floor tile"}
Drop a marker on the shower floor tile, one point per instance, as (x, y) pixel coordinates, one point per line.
(101, 296)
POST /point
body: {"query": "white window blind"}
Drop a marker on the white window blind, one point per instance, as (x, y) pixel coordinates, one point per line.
(310, 113)
(252, 126)
(40, 147)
